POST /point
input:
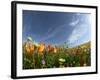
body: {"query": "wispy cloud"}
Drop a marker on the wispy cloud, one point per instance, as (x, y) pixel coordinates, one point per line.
(77, 33)
(74, 22)
(80, 28)
(53, 31)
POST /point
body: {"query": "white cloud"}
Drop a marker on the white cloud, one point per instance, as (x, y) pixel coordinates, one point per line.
(77, 33)
(52, 32)
(74, 22)
(79, 29)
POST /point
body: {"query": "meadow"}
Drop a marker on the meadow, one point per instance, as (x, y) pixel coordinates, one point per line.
(39, 56)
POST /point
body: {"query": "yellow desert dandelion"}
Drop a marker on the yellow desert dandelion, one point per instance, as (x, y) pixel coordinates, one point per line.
(61, 62)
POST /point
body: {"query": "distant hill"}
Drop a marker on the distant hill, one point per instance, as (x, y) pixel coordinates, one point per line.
(84, 45)
(80, 47)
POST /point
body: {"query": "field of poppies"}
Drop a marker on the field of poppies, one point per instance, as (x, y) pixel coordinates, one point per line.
(40, 55)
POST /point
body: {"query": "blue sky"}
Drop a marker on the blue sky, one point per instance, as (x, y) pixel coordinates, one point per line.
(56, 27)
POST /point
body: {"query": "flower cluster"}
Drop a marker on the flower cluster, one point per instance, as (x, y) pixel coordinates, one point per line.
(39, 55)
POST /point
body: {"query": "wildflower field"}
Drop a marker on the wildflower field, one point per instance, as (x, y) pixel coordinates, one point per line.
(40, 55)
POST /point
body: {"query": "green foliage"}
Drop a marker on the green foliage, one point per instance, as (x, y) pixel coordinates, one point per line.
(52, 59)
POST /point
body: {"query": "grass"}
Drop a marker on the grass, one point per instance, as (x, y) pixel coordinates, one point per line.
(78, 56)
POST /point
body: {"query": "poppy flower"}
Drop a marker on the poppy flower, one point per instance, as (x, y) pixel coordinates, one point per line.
(41, 48)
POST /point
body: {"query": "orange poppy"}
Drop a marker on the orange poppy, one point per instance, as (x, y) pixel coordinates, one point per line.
(41, 48)
(51, 48)
(55, 50)
(29, 49)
